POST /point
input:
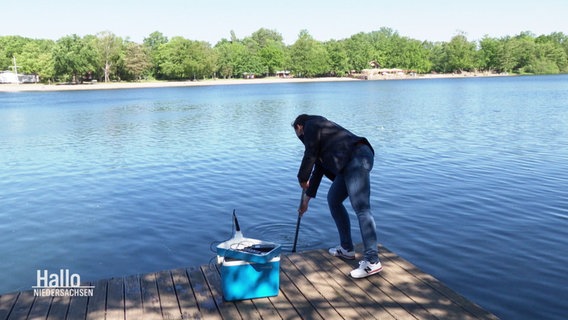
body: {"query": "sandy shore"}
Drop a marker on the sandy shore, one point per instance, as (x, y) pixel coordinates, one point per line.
(157, 84)
(160, 84)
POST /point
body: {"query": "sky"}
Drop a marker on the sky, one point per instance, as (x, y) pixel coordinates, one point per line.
(213, 20)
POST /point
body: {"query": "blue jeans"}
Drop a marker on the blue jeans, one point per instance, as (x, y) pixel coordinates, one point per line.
(354, 182)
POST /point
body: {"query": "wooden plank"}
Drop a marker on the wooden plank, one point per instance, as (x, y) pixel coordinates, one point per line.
(297, 300)
(455, 299)
(168, 297)
(303, 306)
(186, 299)
(227, 309)
(309, 289)
(283, 306)
(335, 298)
(266, 309)
(96, 307)
(40, 307)
(115, 299)
(150, 297)
(338, 290)
(346, 287)
(7, 302)
(427, 302)
(395, 285)
(22, 306)
(59, 308)
(203, 294)
(247, 310)
(133, 308)
(369, 292)
(78, 307)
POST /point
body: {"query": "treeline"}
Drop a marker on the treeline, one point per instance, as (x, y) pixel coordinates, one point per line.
(107, 57)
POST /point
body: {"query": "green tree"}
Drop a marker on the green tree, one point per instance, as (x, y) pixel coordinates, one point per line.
(523, 52)
(152, 43)
(36, 58)
(135, 61)
(172, 57)
(550, 50)
(73, 57)
(226, 58)
(264, 37)
(506, 56)
(263, 53)
(272, 56)
(460, 54)
(308, 56)
(185, 59)
(11, 46)
(270, 49)
(202, 61)
(562, 40)
(438, 57)
(409, 54)
(386, 47)
(490, 55)
(338, 59)
(251, 62)
(32, 56)
(360, 51)
(108, 47)
(236, 58)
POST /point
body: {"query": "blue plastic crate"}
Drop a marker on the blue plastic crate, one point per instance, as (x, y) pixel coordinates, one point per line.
(249, 280)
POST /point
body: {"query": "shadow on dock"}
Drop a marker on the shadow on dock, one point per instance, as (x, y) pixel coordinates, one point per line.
(313, 285)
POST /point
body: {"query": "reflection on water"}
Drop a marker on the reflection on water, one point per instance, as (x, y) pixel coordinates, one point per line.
(468, 182)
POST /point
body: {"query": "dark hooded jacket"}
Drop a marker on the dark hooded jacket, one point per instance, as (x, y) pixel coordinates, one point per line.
(328, 150)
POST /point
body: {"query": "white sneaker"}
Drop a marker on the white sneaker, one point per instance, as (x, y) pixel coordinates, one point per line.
(342, 253)
(366, 269)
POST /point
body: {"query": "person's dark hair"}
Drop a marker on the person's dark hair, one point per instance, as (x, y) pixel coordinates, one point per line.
(300, 120)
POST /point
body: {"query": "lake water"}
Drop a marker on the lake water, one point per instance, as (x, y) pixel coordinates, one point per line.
(470, 179)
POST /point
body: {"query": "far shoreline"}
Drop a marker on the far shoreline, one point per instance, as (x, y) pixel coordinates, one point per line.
(212, 82)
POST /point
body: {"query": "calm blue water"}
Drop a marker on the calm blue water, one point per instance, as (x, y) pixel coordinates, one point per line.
(469, 184)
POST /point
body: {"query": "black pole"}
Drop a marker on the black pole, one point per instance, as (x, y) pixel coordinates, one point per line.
(298, 223)
(297, 231)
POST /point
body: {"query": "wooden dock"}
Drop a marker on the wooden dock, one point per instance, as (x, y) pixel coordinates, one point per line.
(313, 285)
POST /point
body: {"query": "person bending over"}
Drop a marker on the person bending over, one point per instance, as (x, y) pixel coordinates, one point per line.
(346, 159)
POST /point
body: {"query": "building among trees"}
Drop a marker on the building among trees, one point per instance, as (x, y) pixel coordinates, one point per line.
(12, 77)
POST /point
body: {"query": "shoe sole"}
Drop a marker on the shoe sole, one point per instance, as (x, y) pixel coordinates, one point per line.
(368, 274)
